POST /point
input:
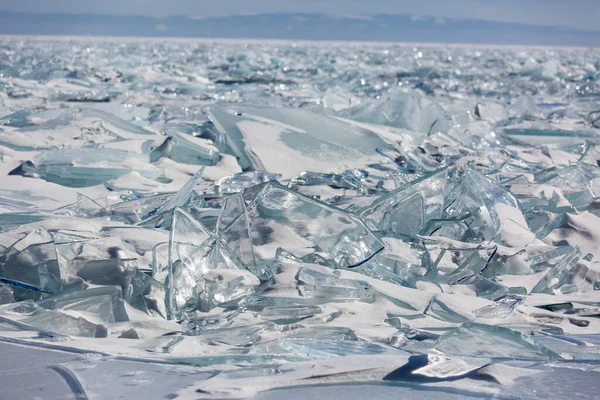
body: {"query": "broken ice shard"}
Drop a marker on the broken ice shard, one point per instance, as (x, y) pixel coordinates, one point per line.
(549, 255)
(87, 207)
(186, 149)
(476, 195)
(402, 110)
(400, 263)
(584, 347)
(407, 209)
(437, 308)
(89, 167)
(160, 262)
(237, 359)
(119, 125)
(30, 266)
(6, 294)
(323, 349)
(103, 261)
(134, 211)
(501, 308)
(493, 342)
(237, 235)
(147, 294)
(105, 303)
(189, 247)
(193, 252)
(25, 307)
(323, 333)
(558, 275)
(242, 336)
(180, 199)
(164, 344)
(236, 183)
(192, 325)
(68, 324)
(297, 140)
(573, 177)
(290, 314)
(279, 213)
(140, 239)
(484, 287)
(224, 288)
(315, 284)
(356, 179)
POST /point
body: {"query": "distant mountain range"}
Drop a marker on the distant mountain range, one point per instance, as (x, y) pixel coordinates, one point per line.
(399, 28)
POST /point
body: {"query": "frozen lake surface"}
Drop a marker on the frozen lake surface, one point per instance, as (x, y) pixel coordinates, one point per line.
(228, 219)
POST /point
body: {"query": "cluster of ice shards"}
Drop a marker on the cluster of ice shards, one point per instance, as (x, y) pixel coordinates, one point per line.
(299, 203)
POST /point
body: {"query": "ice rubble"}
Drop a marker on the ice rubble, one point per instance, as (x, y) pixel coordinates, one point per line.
(418, 222)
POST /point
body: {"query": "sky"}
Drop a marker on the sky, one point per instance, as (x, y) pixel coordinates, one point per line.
(584, 14)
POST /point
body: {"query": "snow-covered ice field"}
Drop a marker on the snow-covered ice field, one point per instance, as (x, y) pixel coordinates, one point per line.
(228, 219)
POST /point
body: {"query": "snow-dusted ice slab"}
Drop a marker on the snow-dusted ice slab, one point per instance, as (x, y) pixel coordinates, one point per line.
(289, 142)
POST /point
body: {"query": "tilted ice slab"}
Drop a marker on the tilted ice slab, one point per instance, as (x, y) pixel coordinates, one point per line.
(288, 141)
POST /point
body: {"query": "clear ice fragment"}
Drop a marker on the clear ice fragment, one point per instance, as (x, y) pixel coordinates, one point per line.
(501, 308)
(233, 229)
(323, 333)
(67, 324)
(89, 167)
(225, 288)
(183, 197)
(30, 266)
(279, 212)
(481, 340)
(401, 263)
(406, 210)
(438, 309)
(186, 149)
(241, 336)
(237, 183)
(558, 275)
(193, 252)
(489, 203)
(314, 284)
(549, 255)
(484, 287)
(135, 211)
(6, 294)
(164, 344)
(290, 313)
(87, 207)
(105, 303)
(238, 359)
(584, 347)
(25, 307)
(194, 325)
(147, 294)
(102, 261)
(402, 110)
(323, 349)
(160, 262)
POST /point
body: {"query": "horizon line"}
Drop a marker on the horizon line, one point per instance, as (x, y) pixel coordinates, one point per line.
(258, 41)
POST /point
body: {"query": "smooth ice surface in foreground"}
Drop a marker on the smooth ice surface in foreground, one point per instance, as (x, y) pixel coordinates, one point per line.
(230, 220)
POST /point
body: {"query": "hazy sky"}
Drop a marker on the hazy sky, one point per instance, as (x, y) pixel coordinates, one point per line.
(572, 13)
